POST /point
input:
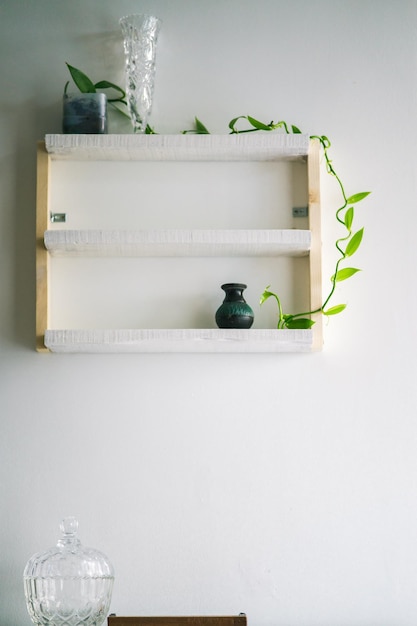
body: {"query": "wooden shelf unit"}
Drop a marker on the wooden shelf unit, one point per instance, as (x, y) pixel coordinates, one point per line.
(177, 242)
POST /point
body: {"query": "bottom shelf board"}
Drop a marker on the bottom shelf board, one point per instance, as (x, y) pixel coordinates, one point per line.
(178, 340)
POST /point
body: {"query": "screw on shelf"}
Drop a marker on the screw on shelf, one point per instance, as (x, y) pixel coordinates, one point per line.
(58, 217)
(300, 211)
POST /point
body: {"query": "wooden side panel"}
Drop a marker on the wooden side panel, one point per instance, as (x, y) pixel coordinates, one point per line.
(314, 213)
(237, 620)
(42, 210)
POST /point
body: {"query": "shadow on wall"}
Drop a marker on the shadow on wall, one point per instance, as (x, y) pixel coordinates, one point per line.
(102, 59)
(104, 53)
(15, 597)
(23, 220)
(26, 121)
(101, 56)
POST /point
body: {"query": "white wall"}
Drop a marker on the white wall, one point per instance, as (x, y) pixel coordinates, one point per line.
(284, 486)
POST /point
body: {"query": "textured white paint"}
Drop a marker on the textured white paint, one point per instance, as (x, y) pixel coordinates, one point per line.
(177, 147)
(279, 485)
(179, 340)
(179, 242)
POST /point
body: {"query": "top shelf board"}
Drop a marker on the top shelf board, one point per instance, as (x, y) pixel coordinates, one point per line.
(262, 146)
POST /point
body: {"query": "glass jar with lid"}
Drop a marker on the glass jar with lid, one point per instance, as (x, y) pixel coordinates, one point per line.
(68, 585)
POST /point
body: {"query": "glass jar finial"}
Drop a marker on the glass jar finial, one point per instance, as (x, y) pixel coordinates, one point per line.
(69, 526)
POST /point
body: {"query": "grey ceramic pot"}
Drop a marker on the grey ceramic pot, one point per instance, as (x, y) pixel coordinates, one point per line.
(85, 113)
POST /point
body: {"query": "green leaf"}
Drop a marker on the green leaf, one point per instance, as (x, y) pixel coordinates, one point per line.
(233, 122)
(200, 128)
(84, 84)
(257, 124)
(300, 322)
(334, 310)
(345, 273)
(266, 294)
(349, 217)
(354, 243)
(280, 124)
(105, 84)
(325, 142)
(295, 130)
(357, 197)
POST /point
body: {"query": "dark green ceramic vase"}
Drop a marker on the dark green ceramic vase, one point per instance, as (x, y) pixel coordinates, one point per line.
(234, 312)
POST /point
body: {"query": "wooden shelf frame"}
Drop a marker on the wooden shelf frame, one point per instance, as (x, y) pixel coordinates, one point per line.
(314, 219)
(180, 620)
(240, 147)
(42, 255)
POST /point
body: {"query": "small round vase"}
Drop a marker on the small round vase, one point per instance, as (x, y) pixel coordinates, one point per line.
(85, 113)
(234, 312)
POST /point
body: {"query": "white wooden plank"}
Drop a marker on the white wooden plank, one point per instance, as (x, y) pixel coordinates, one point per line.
(169, 242)
(178, 340)
(261, 146)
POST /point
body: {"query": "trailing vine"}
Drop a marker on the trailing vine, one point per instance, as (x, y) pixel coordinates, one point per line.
(346, 245)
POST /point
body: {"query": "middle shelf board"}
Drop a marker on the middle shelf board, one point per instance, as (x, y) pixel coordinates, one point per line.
(169, 242)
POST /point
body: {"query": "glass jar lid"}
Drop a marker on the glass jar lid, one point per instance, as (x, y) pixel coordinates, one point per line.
(69, 557)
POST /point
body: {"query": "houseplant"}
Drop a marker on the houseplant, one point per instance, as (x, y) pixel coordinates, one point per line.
(86, 111)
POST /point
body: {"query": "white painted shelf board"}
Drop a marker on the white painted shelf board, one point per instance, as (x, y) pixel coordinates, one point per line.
(178, 242)
(178, 340)
(260, 146)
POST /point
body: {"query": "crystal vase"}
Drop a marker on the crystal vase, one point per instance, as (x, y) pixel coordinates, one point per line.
(140, 36)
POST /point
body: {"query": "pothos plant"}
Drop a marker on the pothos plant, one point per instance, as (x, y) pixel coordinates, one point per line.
(346, 245)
